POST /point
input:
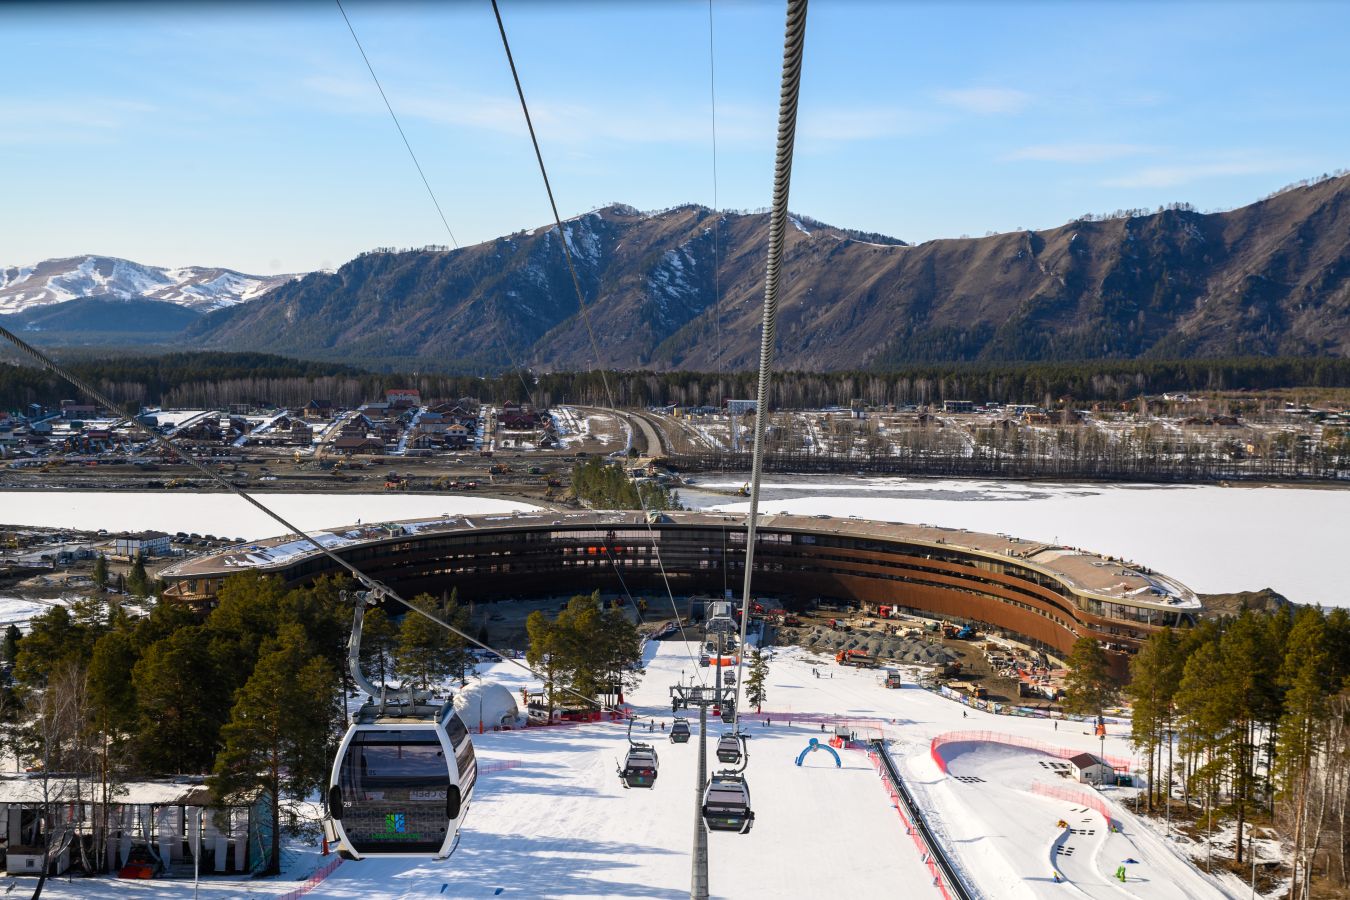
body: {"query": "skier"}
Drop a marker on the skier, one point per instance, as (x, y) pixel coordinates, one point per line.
(663, 726)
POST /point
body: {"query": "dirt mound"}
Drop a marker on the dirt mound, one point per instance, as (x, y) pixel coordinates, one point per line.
(919, 650)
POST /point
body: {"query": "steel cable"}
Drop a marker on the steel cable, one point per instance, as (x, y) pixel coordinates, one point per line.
(585, 312)
(793, 46)
(376, 587)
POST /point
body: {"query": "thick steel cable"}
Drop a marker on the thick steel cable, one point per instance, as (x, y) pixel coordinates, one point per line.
(717, 213)
(377, 587)
(585, 310)
(793, 45)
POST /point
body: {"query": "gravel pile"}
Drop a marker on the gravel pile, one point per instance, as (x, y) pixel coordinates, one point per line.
(874, 643)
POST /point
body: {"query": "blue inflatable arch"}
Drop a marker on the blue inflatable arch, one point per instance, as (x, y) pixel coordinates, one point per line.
(817, 745)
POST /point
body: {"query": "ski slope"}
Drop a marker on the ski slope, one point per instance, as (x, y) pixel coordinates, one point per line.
(1011, 844)
(550, 817)
(562, 825)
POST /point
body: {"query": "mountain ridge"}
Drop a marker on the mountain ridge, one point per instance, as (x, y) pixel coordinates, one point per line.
(682, 288)
(62, 279)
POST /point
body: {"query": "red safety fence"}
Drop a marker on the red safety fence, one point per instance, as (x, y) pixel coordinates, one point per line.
(925, 852)
(314, 880)
(1081, 796)
(486, 767)
(1011, 740)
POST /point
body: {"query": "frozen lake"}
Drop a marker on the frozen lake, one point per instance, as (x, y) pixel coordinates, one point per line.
(1215, 539)
(225, 514)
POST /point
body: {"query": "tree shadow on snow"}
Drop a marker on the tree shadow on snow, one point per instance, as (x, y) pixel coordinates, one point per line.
(531, 780)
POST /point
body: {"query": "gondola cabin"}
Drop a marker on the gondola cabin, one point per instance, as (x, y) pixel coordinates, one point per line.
(639, 767)
(726, 804)
(402, 781)
(679, 731)
(729, 749)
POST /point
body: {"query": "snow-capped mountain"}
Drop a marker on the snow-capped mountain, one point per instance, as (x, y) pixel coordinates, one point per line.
(201, 288)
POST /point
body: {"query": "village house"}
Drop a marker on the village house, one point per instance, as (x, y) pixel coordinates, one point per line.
(403, 398)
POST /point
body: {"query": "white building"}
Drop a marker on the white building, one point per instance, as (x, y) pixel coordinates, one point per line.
(1092, 770)
(487, 706)
(149, 544)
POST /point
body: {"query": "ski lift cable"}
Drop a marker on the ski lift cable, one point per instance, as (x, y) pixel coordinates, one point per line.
(473, 277)
(717, 213)
(793, 46)
(369, 582)
(586, 314)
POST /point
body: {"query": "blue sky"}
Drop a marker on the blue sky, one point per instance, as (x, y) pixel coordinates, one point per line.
(251, 136)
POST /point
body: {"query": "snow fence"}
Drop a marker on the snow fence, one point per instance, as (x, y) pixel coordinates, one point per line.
(314, 880)
(1119, 763)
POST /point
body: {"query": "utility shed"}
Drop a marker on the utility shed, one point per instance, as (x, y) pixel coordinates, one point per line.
(1092, 770)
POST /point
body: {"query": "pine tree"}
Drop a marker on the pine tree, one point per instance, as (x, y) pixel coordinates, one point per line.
(542, 654)
(379, 638)
(755, 683)
(276, 741)
(1155, 675)
(101, 572)
(138, 582)
(53, 638)
(1088, 686)
(1304, 674)
(11, 648)
(427, 651)
(181, 707)
(111, 690)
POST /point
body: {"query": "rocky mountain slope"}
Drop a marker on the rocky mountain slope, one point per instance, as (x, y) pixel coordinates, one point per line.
(201, 288)
(1272, 278)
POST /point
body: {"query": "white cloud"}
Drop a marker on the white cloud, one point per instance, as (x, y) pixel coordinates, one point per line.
(1185, 173)
(986, 101)
(1079, 153)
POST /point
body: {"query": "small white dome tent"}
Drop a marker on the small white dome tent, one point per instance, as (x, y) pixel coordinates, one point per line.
(486, 705)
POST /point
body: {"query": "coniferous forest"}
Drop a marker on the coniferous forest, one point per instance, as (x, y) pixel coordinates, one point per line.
(212, 379)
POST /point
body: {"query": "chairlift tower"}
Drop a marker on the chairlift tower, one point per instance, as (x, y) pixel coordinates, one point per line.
(687, 696)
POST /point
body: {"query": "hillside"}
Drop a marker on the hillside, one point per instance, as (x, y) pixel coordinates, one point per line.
(102, 321)
(1265, 279)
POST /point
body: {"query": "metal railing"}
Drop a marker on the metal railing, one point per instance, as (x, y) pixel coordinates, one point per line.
(945, 876)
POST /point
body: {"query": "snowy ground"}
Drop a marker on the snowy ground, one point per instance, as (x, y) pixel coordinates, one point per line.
(1009, 840)
(17, 611)
(1213, 539)
(558, 823)
(226, 513)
